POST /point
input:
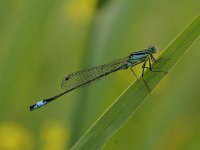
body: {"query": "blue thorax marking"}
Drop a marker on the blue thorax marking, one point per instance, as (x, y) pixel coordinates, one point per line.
(137, 57)
(139, 53)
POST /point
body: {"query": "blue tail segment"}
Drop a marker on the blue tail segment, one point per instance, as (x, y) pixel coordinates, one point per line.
(38, 105)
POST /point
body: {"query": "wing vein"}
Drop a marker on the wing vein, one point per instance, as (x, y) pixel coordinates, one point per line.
(87, 76)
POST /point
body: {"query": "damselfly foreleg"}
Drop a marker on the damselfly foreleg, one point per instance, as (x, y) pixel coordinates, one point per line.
(143, 69)
(134, 73)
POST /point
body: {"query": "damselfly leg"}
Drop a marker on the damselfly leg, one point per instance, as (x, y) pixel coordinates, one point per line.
(134, 73)
(150, 65)
(150, 59)
(143, 69)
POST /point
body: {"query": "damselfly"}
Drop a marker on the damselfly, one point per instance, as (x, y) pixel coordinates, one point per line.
(84, 77)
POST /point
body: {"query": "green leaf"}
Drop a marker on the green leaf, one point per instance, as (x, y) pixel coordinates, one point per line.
(127, 103)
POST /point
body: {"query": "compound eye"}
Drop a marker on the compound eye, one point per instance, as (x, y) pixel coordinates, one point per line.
(152, 49)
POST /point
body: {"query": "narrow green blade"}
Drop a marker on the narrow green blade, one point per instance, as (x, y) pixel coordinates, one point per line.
(127, 103)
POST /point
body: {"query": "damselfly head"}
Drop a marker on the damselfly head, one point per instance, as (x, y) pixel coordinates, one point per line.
(152, 49)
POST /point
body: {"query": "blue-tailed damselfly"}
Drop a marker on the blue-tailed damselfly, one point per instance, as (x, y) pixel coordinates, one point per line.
(84, 77)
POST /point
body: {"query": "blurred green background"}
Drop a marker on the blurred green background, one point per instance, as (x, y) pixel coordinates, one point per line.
(42, 41)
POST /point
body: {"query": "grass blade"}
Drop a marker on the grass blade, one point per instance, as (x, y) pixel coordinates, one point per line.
(128, 102)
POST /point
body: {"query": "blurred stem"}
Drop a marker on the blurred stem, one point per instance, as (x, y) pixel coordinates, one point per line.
(79, 114)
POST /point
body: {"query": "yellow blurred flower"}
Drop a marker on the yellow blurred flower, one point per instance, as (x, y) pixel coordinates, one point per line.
(54, 136)
(14, 137)
(80, 10)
